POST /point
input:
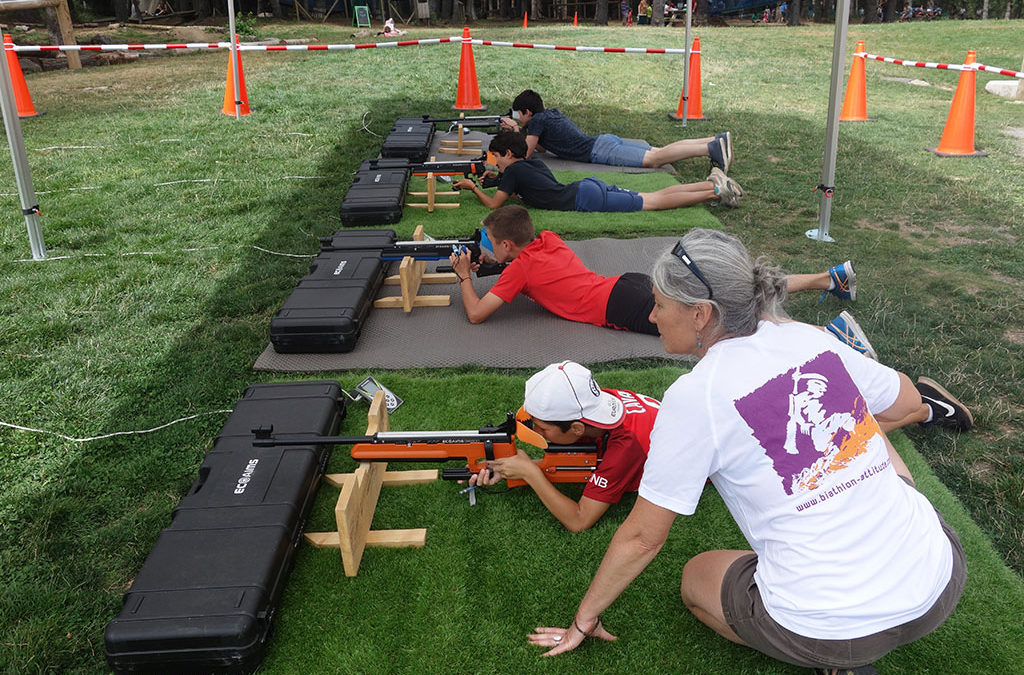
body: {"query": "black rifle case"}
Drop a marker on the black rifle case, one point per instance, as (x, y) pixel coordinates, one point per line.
(410, 137)
(327, 309)
(204, 599)
(376, 197)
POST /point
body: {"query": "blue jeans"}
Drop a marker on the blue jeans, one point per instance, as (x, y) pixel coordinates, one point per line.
(595, 195)
(612, 150)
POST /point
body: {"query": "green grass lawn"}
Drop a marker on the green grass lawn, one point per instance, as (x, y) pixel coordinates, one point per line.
(137, 159)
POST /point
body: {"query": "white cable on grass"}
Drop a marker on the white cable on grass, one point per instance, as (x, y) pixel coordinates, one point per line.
(179, 250)
(50, 192)
(365, 128)
(70, 147)
(287, 255)
(207, 180)
(228, 180)
(116, 433)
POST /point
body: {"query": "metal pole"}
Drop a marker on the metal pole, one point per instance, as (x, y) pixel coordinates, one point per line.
(828, 171)
(686, 71)
(22, 173)
(234, 58)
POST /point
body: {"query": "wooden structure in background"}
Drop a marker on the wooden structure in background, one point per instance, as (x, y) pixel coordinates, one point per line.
(461, 146)
(67, 31)
(432, 194)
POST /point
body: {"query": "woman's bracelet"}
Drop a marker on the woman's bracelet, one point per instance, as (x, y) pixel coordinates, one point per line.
(583, 632)
(461, 279)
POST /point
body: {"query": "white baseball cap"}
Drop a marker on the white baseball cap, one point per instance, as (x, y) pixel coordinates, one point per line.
(565, 392)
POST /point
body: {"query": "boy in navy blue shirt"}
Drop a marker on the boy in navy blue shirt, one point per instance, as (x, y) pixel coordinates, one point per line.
(547, 129)
(537, 187)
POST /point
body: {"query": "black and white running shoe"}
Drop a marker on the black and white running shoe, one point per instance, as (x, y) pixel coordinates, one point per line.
(947, 411)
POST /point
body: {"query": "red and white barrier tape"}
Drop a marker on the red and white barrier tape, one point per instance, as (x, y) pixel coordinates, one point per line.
(999, 71)
(942, 66)
(342, 47)
(115, 48)
(226, 45)
(606, 50)
(336, 47)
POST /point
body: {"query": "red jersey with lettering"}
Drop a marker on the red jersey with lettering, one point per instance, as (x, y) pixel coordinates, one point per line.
(622, 464)
(549, 273)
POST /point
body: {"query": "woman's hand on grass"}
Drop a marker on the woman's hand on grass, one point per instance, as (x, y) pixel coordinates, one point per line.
(561, 640)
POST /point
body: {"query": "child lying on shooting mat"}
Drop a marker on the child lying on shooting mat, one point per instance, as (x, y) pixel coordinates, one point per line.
(548, 272)
(537, 187)
(567, 407)
(548, 130)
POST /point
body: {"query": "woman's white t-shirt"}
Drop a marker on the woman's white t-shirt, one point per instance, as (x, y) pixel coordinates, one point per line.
(780, 421)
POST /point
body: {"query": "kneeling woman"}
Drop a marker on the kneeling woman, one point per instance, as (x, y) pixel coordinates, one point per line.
(849, 560)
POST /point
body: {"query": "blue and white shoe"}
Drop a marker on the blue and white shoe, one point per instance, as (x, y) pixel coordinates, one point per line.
(720, 151)
(849, 332)
(728, 190)
(844, 282)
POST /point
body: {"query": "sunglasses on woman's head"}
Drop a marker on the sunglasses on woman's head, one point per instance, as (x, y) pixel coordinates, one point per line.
(680, 252)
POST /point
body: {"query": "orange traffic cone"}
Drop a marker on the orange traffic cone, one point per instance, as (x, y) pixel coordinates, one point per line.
(229, 87)
(575, 22)
(467, 97)
(21, 96)
(524, 20)
(958, 136)
(855, 102)
(693, 110)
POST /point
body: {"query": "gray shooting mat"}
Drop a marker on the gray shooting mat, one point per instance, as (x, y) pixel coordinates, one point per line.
(520, 334)
(554, 162)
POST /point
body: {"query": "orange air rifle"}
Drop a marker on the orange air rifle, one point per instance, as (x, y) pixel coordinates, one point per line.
(560, 463)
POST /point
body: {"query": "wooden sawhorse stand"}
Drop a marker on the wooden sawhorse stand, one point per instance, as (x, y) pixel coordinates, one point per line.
(432, 194)
(358, 500)
(460, 146)
(410, 276)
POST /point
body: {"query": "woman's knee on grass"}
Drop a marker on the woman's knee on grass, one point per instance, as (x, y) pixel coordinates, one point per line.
(701, 584)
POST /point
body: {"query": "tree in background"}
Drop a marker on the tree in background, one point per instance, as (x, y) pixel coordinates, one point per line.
(793, 13)
(658, 13)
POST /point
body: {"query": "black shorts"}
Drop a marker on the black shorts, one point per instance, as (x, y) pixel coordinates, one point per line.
(630, 304)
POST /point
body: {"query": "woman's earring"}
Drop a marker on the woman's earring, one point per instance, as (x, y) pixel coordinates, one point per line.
(699, 344)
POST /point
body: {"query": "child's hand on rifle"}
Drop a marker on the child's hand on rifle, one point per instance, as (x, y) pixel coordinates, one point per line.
(461, 263)
(464, 184)
(517, 467)
(485, 478)
(509, 124)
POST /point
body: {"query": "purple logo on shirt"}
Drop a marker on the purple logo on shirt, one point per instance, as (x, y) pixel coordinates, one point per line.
(811, 421)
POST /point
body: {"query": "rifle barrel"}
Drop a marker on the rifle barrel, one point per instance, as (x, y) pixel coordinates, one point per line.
(391, 438)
